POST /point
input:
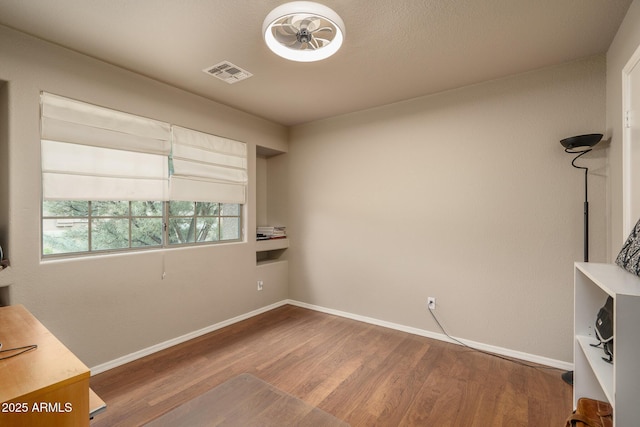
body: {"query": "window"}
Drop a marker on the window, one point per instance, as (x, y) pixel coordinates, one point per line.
(77, 227)
(203, 222)
(98, 164)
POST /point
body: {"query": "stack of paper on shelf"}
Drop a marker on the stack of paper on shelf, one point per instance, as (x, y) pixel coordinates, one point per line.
(269, 232)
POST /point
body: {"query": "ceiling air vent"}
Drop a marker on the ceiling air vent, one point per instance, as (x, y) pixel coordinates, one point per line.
(228, 72)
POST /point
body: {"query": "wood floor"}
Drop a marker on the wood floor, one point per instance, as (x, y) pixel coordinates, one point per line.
(363, 374)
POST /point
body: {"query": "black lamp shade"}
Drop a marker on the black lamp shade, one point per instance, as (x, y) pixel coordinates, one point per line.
(581, 140)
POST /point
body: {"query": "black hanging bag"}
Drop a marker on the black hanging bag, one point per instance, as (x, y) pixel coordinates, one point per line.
(604, 329)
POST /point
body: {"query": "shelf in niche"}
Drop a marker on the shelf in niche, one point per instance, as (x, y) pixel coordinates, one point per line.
(270, 169)
(266, 152)
(270, 261)
(271, 251)
(271, 245)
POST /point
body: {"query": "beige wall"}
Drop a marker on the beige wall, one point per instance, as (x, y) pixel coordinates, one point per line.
(466, 196)
(625, 43)
(107, 307)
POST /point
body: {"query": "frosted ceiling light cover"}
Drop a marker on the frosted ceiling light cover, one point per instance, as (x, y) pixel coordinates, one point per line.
(303, 31)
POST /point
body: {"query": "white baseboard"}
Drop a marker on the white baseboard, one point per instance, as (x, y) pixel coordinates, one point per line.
(567, 366)
(179, 340)
(421, 332)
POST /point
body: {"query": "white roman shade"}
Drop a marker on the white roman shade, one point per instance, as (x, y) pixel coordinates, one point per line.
(95, 153)
(207, 168)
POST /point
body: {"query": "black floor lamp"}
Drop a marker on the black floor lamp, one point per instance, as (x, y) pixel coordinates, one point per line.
(581, 145)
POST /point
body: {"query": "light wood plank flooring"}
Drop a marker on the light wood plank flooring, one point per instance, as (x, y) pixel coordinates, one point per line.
(363, 374)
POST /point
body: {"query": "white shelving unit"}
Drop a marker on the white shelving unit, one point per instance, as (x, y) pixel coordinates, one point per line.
(617, 383)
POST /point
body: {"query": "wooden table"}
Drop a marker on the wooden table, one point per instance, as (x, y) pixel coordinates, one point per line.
(46, 386)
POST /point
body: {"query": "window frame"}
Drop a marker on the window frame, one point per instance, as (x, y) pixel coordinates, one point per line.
(165, 218)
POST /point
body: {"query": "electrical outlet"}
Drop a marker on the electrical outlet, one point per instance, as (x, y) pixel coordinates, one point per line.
(260, 285)
(431, 303)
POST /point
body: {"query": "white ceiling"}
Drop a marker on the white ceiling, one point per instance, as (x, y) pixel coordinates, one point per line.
(394, 49)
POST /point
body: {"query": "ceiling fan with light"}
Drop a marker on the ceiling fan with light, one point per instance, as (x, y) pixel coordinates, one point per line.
(303, 31)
